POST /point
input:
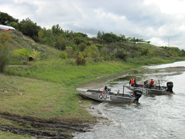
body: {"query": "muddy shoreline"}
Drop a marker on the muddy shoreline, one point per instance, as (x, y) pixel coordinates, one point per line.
(39, 128)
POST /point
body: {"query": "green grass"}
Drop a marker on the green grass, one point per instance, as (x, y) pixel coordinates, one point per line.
(57, 72)
(40, 99)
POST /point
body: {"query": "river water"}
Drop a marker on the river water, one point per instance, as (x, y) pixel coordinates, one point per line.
(154, 117)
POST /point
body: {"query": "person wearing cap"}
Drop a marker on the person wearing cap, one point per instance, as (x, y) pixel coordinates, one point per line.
(132, 81)
(151, 84)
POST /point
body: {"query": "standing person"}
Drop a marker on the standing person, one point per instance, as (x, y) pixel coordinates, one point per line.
(151, 84)
(105, 90)
(132, 81)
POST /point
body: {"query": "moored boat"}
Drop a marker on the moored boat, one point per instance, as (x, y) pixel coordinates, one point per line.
(111, 97)
(156, 90)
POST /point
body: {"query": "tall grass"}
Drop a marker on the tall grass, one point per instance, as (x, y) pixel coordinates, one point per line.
(58, 72)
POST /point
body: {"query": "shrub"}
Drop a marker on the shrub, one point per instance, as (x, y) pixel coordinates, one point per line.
(24, 53)
(80, 61)
(121, 54)
(69, 51)
(82, 46)
(63, 55)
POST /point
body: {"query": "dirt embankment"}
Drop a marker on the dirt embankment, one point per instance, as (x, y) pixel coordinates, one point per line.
(39, 128)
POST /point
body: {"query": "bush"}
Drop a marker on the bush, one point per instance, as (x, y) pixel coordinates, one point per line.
(121, 54)
(80, 61)
(63, 55)
(82, 46)
(23, 54)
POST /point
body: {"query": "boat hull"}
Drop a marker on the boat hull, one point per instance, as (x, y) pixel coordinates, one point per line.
(162, 90)
(111, 98)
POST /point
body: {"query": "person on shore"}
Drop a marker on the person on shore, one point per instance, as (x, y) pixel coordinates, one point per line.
(105, 90)
(151, 84)
(132, 82)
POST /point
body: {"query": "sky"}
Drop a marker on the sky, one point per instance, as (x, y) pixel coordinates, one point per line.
(160, 21)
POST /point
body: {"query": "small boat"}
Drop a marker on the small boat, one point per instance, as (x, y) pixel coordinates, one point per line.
(156, 90)
(111, 97)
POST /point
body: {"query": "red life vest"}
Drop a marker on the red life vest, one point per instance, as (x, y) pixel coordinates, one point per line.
(103, 91)
(151, 82)
(132, 81)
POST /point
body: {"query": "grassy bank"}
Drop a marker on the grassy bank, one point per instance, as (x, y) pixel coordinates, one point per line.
(46, 89)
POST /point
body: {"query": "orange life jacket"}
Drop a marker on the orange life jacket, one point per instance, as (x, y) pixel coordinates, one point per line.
(103, 91)
(132, 81)
(151, 82)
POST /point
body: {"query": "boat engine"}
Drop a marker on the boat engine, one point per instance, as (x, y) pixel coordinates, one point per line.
(137, 94)
(169, 86)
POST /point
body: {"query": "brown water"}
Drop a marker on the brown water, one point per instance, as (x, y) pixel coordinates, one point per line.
(154, 117)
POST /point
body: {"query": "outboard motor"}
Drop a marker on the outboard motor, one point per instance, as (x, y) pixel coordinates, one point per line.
(137, 94)
(169, 86)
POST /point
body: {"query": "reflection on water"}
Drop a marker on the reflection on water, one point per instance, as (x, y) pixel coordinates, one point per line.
(153, 117)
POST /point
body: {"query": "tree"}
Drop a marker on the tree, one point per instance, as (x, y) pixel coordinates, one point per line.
(110, 37)
(99, 35)
(57, 30)
(4, 50)
(60, 43)
(6, 19)
(27, 27)
(46, 37)
(122, 38)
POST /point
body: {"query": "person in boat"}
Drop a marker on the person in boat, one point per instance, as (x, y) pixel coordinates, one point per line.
(151, 84)
(132, 82)
(105, 90)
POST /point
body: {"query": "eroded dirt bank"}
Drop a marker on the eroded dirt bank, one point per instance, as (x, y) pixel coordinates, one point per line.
(39, 128)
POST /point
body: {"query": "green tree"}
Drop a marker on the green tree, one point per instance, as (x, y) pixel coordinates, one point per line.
(110, 37)
(27, 27)
(60, 43)
(46, 37)
(99, 35)
(6, 19)
(57, 30)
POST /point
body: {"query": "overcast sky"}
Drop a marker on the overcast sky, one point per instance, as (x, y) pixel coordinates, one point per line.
(160, 21)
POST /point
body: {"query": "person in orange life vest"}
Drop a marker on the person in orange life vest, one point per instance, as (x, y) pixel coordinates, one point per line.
(132, 81)
(105, 90)
(151, 84)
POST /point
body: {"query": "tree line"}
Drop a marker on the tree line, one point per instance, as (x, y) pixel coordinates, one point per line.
(106, 46)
